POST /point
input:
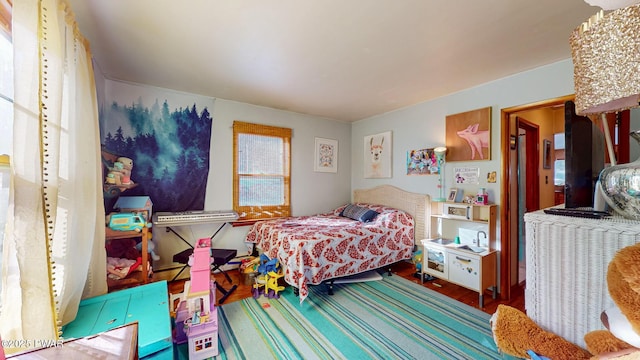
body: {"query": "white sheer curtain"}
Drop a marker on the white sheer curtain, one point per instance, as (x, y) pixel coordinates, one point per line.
(54, 244)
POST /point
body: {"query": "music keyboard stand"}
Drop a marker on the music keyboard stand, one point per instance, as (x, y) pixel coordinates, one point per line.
(183, 256)
(220, 257)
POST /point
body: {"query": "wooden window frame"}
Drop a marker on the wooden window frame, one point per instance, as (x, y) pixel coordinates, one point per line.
(262, 212)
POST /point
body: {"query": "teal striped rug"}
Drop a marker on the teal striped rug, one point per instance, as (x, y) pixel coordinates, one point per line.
(388, 319)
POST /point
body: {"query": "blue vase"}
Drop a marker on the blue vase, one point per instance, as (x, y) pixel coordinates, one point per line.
(621, 186)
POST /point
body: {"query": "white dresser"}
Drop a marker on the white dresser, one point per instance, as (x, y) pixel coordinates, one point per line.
(567, 260)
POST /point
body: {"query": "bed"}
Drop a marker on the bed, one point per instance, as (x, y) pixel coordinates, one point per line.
(324, 247)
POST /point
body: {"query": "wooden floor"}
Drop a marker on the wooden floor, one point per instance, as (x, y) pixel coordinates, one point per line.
(404, 269)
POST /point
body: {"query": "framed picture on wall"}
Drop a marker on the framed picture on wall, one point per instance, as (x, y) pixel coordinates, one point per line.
(468, 135)
(326, 155)
(422, 162)
(377, 155)
(546, 154)
(453, 192)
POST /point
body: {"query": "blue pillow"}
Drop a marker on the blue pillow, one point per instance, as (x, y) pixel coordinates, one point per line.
(359, 213)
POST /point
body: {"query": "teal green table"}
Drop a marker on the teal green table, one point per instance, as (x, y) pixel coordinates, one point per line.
(147, 304)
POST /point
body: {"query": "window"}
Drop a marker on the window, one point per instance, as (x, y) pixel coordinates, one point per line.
(261, 178)
(6, 114)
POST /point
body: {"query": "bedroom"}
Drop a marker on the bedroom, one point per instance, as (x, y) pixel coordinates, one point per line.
(416, 126)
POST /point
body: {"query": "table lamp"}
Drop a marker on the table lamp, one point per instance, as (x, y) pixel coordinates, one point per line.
(606, 60)
(440, 156)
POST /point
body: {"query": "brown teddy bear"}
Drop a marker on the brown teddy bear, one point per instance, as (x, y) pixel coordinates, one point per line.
(516, 334)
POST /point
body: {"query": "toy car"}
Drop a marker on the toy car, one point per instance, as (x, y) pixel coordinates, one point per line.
(127, 222)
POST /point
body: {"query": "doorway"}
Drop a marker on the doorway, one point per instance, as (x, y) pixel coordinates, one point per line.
(512, 236)
(524, 186)
(528, 159)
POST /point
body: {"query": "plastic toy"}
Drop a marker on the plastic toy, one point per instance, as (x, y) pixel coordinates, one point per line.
(127, 222)
(196, 314)
(271, 287)
(270, 271)
(257, 291)
(267, 265)
(417, 260)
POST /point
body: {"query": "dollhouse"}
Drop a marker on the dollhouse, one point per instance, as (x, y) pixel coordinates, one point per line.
(197, 315)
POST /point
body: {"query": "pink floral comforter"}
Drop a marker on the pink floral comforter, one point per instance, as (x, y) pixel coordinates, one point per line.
(313, 249)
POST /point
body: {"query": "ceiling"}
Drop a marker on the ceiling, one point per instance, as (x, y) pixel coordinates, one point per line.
(343, 60)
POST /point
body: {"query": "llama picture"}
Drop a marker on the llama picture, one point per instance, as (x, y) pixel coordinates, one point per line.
(377, 155)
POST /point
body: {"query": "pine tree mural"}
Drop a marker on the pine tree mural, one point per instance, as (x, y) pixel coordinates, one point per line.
(170, 151)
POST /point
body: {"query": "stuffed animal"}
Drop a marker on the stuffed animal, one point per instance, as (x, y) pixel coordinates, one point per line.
(115, 175)
(151, 247)
(120, 172)
(516, 334)
(127, 168)
(623, 320)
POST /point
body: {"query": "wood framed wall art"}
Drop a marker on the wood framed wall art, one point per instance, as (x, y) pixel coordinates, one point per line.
(468, 135)
(326, 155)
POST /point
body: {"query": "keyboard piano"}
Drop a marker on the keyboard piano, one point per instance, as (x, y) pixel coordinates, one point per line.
(193, 217)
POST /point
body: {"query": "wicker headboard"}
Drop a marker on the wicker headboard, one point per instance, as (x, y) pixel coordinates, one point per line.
(418, 205)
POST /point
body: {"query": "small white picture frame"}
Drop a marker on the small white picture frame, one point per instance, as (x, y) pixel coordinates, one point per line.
(326, 155)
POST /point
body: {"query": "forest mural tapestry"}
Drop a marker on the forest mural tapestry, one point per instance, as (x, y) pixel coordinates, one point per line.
(167, 135)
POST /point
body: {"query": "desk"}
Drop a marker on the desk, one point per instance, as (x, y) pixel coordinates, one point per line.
(567, 260)
(143, 276)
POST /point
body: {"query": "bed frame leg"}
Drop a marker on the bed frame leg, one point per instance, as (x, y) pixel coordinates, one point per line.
(296, 291)
(389, 271)
(330, 284)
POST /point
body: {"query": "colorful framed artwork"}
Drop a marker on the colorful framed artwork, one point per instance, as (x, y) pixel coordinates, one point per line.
(422, 162)
(468, 135)
(377, 155)
(326, 155)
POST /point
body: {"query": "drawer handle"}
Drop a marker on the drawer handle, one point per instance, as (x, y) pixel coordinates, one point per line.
(462, 259)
